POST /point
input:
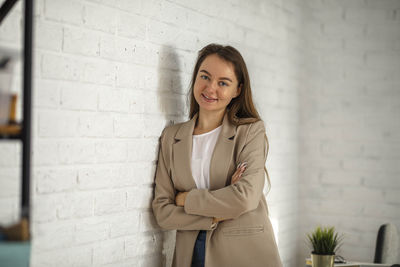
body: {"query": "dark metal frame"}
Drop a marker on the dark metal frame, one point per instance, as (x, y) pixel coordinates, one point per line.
(25, 135)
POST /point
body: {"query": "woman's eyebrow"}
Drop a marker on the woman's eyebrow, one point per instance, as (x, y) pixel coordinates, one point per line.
(222, 78)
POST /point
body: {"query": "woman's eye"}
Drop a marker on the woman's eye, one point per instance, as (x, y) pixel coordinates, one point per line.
(204, 77)
(223, 84)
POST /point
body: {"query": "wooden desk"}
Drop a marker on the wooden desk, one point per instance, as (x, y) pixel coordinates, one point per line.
(353, 264)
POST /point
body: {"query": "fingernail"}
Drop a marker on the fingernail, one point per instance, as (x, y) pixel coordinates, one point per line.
(238, 165)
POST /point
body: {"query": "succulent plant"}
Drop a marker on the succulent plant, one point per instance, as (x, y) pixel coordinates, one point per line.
(324, 241)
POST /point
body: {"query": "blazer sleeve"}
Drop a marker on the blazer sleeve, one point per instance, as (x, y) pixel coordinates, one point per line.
(232, 201)
(167, 214)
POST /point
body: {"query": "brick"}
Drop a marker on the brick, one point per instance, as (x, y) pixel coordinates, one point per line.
(48, 36)
(390, 4)
(111, 3)
(95, 177)
(143, 150)
(76, 96)
(75, 205)
(143, 244)
(135, 100)
(135, 174)
(147, 222)
(343, 30)
(162, 33)
(91, 230)
(45, 208)
(139, 198)
(129, 75)
(107, 202)
(340, 177)
(123, 225)
(116, 48)
(73, 256)
(169, 104)
(94, 18)
(392, 196)
(381, 180)
(128, 126)
(58, 124)
(55, 180)
(95, 125)
(383, 60)
(170, 13)
(45, 152)
(81, 42)
(108, 251)
(131, 25)
(362, 195)
(76, 151)
(58, 10)
(111, 151)
(341, 149)
(154, 125)
(129, 6)
(98, 71)
(54, 235)
(367, 15)
(388, 211)
(60, 67)
(49, 94)
(113, 100)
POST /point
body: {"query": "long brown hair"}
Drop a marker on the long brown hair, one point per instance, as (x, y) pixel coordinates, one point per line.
(241, 109)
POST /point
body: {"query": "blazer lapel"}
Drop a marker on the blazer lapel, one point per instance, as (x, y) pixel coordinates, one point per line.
(220, 158)
(182, 150)
(222, 155)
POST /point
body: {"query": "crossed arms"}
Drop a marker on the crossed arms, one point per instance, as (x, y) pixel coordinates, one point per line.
(202, 205)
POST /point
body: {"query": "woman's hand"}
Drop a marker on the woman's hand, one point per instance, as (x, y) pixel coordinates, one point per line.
(235, 177)
(180, 198)
(238, 173)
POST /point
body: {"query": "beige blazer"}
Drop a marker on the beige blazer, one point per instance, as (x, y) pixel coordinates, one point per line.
(246, 238)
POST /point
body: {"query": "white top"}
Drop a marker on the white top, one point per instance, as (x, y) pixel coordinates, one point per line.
(202, 149)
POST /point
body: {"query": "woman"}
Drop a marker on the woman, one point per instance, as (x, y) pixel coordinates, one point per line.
(210, 174)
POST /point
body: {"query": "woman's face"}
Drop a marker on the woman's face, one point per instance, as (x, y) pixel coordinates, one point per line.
(216, 84)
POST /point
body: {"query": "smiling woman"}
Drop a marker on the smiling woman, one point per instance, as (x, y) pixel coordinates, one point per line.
(215, 85)
(210, 173)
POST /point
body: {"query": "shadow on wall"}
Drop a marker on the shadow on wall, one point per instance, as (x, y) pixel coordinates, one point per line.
(169, 86)
(172, 106)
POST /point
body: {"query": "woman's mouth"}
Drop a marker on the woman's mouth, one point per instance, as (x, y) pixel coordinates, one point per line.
(208, 99)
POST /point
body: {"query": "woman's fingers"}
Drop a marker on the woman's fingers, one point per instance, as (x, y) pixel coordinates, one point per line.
(235, 176)
(238, 173)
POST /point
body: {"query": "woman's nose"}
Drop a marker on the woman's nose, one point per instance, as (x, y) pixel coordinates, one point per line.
(213, 85)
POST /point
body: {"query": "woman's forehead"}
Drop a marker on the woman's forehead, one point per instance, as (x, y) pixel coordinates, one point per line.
(218, 67)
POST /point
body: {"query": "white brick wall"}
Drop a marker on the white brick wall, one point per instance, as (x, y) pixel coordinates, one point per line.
(109, 75)
(349, 126)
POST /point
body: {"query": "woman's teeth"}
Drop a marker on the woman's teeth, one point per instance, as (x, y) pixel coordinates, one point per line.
(208, 99)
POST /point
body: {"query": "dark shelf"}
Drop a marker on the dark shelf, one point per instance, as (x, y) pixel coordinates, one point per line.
(23, 131)
(12, 131)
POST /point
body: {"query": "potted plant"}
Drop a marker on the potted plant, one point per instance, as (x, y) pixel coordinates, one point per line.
(324, 244)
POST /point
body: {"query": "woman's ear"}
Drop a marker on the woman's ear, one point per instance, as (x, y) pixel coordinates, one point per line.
(239, 89)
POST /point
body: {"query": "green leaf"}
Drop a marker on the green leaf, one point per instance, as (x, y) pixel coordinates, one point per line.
(324, 241)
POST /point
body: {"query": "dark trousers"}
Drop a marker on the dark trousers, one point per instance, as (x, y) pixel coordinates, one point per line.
(199, 251)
